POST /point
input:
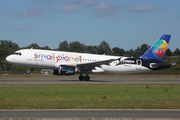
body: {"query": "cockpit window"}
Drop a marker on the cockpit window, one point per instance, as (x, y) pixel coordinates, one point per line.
(17, 53)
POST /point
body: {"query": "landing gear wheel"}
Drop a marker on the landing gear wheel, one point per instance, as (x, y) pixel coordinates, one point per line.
(87, 78)
(27, 74)
(81, 78)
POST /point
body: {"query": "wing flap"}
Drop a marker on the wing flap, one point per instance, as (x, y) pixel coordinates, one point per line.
(89, 66)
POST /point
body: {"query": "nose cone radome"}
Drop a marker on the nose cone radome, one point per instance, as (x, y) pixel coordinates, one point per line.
(9, 58)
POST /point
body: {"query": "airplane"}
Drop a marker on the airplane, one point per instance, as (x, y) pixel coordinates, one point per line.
(69, 63)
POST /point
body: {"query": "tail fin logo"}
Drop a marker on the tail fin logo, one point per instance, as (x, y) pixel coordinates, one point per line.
(158, 49)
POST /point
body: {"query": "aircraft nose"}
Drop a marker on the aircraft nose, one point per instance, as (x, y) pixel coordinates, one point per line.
(8, 59)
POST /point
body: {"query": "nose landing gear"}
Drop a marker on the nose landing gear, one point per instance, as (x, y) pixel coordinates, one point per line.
(27, 74)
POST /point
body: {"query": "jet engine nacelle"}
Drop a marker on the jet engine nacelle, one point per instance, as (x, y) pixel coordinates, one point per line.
(64, 70)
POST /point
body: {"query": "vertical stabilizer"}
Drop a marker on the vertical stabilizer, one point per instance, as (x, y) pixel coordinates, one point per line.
(158, 49)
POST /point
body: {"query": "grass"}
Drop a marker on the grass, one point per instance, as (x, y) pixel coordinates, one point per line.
(90, 97)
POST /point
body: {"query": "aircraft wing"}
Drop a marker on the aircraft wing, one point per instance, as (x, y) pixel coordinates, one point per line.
(91, 65)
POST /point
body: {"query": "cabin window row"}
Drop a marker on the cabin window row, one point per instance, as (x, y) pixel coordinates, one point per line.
(90, 60)
(97, 60)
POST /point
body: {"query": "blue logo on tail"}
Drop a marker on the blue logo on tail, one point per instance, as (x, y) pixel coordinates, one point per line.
(158, 49)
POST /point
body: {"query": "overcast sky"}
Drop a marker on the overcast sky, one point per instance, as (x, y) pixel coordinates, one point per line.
(122, 23)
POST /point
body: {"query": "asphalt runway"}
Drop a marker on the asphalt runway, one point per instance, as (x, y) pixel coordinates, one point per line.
(130, 114)
(24, 81)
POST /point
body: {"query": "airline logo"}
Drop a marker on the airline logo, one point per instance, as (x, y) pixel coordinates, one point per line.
(159, 49)
(57, 58)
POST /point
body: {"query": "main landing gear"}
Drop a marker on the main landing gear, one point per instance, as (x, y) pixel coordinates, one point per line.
(86, 78)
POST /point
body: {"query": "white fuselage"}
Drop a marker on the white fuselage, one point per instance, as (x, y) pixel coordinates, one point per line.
(52, 59)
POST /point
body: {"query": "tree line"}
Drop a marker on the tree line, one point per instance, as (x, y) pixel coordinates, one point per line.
(8, 47)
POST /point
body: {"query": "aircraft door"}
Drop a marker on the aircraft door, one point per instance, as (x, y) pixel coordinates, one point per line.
(29, 55)
(139, 63)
